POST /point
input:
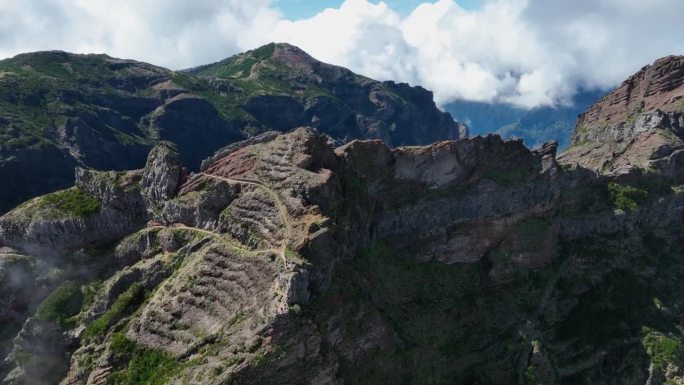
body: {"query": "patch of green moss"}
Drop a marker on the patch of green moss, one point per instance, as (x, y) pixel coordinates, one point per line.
(144, 366)
(293, 256)
(62, 304)
(264, 52)
(662, 349)
(72, 202)
(89, 292)
(530, 375)
(626, 198)
(124, 305)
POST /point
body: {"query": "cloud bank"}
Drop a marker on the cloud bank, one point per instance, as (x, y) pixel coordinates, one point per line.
(528, 52)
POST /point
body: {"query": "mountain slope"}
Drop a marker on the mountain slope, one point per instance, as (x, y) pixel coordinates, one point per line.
(288, 261)
(535, 126)
(60, 110)
(330, 98)
(638, 126)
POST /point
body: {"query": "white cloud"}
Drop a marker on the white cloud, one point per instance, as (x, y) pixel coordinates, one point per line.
(175, 33)
(529, 52)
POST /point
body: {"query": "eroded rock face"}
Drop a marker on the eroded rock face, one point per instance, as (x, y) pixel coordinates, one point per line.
(94, 111)
(161, 175)
(120, 203)
(286, 260)
(656, 86)
(640, 125)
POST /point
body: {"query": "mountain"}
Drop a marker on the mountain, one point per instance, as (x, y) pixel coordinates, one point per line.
(60, 110)
(535, 126)
(330, 98)
(639, 126)
(286, 259)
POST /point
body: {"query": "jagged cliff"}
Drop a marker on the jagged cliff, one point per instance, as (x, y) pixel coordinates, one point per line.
(640, 125)
(290, 259)
(60, 110)
(286, 260)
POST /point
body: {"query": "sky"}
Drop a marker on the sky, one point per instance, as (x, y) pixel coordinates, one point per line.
(527, 52)
(303, 9)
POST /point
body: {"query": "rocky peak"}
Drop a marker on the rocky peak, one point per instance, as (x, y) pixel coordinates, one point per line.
(161, 175)
(656, 86)
(291, 54)
(640, 125)
(286, 260)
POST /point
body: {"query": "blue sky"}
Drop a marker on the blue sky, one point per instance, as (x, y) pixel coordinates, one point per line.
(302, 9)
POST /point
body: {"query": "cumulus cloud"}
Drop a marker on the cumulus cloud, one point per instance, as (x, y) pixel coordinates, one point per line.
(173, 33)
(528, 52)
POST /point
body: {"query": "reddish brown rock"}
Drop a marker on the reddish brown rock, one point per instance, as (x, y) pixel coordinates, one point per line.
(640, 125)
(656, 86)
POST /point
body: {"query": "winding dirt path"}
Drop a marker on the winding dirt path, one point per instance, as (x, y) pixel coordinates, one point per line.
(278, 201)
(281, 251)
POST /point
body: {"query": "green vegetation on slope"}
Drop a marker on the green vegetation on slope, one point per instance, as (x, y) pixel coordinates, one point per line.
(445, 316)
(72, 202)
(62, 304)
(144, 366)
(626, 198)
(124, 305)
(662, 349)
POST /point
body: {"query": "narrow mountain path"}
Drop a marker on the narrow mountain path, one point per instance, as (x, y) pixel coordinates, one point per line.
(278, 201)
(221, 238)
(13, 255)
(281, 251)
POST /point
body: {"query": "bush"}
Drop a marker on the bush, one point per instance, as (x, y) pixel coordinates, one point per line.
(61, 304)
(626, 198)
(123, 306)
(73, 201)
(296, 310)
(145, 366)
(662, 349)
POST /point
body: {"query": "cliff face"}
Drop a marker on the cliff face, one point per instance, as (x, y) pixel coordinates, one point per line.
(61, 110)
(344, 105)
(286, 260)
(640, 125)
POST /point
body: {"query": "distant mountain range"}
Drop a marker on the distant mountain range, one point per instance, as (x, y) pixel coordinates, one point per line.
(535, 126)
(60, 110)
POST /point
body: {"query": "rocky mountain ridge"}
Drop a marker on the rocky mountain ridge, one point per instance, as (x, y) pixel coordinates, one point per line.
(60, 110)
(287, 259)
(640, 125)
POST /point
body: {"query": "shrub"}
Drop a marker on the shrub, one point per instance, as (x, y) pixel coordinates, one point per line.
(626, 198)
(73, 201)
(295, 310)
(123, 306)
(61, 304)
(149, 367)
(662, 349)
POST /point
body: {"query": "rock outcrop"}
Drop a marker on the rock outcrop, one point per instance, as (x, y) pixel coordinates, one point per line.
(640, 125)
(286, 260)
(332, 99)
(161, 175)
(60, 110)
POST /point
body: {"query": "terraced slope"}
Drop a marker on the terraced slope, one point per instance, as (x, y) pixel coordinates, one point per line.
(284, 260)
